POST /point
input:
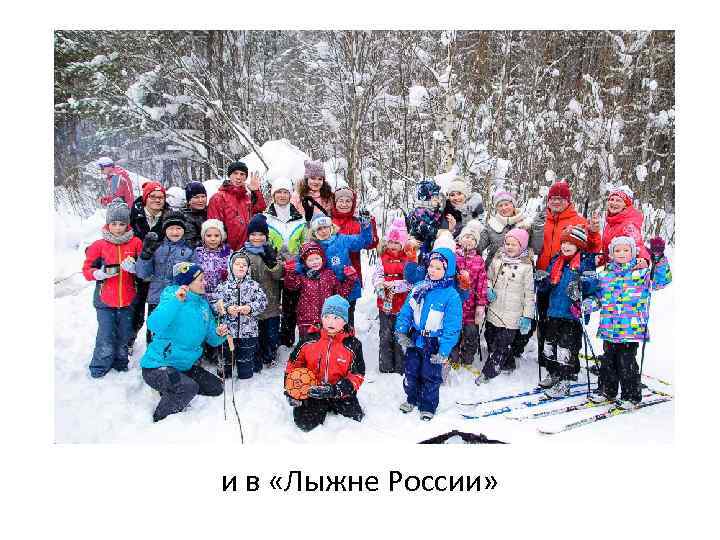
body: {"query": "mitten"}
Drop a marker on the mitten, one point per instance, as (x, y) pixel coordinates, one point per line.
(491, 294)
(323, 391)
(524, 325)
(150, 245)
(269, 256)
(292, 401)
(349, 272)
(540, 275)
(100, 274)
(463, 279)
(657, 248)
(290, 266)
(128, 265)
(403, 340)
(438, 358)
(364, 218)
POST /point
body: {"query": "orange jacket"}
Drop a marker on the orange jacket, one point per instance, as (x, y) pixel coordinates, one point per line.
(334, 360)
(555, 224)
(119, 290)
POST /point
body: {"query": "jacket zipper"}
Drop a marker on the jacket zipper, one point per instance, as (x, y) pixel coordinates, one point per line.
(119, 277)
(327, 361)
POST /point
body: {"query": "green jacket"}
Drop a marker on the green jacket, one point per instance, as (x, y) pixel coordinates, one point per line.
(289, 234)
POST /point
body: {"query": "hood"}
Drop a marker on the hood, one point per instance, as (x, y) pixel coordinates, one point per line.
(450, 257)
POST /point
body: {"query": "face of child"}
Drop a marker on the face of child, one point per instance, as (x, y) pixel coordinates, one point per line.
(615, 204)
(212, 238)
(281, 197)
(174, 233)
(314, 262)
(435, 270)
(198, 202)
(315, 182)
(257, 239)
(198, 284)
(117, 228)
(239, 268)
(435, 200)
(393, 246)
(568, 249)
(237, 178)
(622, 253)
(456, 198)
(333, 324)
(505, 208)
(512, 246)
(468, 241)
(343, 204)
(323, 233)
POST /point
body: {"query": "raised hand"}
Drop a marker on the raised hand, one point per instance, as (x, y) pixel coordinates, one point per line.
(253, 181)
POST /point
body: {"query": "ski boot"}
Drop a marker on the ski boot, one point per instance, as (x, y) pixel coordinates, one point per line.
(549, 381)
(560, 389)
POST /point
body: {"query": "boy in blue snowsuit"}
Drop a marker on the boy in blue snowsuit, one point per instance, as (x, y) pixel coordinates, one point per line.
(428, 327)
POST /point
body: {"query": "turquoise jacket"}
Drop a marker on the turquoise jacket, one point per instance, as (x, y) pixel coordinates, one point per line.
(180, 329)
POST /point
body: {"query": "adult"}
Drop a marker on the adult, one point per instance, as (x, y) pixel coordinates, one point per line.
(119, 183)
(461, 206)
(233, 206)
(623, 219)
(287, 230)
(195, 212)
(314, 195)
(181, 323)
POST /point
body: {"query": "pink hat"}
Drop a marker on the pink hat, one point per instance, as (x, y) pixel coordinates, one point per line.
(398, 231)
(521, 235)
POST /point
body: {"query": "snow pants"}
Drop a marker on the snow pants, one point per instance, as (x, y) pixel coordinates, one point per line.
(563, 339)
(111, 343)
(467, 346)
(247, 359)
(618, 366)
(289, 317)
(422, 378)
(177, 388)
(390, 355)
(499, 341)
(312, 412)
(269, 340)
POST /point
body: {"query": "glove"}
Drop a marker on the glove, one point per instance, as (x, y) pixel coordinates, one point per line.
(128, 265)
(364, 218)
(349, 272)
(540, 275)
(588, 275)
(524, 325)
(573, 290)
(438, 358)
(308, 208)
(479, 315)
(657, 248)
(269, 256)
(285, 253)
(292, 401)
(324, 391)
(150, 245)
(491, 294)
(463, 280)
(403, 340)
(312, 274)
(588, 305)
(100, 274)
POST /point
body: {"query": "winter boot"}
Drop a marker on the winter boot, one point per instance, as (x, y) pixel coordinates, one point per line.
(559, 389)
(426, 416)
(549, 381)
(406, 407)
(596, 396)
(627, 404)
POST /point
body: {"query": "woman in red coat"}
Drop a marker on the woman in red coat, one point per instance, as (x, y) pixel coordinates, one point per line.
(623, 219)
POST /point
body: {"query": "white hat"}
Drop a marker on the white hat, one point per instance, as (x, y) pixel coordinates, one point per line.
(105, 162)
(213, 224)
(473, 228)
(175, 197)
(458, 184)
(445, 239)
(281, 183)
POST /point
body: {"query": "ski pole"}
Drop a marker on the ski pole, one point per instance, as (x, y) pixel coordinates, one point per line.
(647, 321)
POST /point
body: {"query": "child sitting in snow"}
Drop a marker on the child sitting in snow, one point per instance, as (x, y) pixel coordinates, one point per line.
(623, 295)
(110, 261)
(391, 290)
(428, 327)
(511, 293)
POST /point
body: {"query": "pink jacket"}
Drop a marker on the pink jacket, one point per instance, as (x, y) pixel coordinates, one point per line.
(475, 265)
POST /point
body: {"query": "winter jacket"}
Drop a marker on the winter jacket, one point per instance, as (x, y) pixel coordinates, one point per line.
(289, 234)
(139, 222)
(158, 269)
(623, 295)
(234, 207)
(179, 330)
(314, 292)
(515, 289)
(336, 360)
(555, 224)
(391, 270)
(119, 290)
(214, 263)
(560, 302)
(119, 185)
(270, 280)
(475, 265)
(194, 220)
(493, 234)
(472, 209)
(423, 224)
(348, 224)
(438, 315)
(236, 293)
(628, 222)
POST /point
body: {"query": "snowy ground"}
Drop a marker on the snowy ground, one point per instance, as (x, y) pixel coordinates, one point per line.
(118, 408)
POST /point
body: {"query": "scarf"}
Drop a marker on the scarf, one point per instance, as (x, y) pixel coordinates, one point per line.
(506, 259)
(117, 240)
(557, 268)
(426, 285)
(498, 223)
(255, 250)
(282, 212)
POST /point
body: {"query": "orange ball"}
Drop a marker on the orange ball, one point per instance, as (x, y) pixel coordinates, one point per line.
(298, 382)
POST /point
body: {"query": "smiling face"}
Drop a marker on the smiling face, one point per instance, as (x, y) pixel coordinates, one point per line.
(117, 228)
(174, 233)
(257, 239)
(512, 246)
(332, 323)
(314, 262)
(558, 205)
(456, 198)
(467, 241)
(622, 253)
(237, 178)
(240, 268)
(315, 183)
(212, 238)
(281, 197)
(505, 208)
(435, 270)
(393, 246)
(615, 204)
(568, 249)
(343, 204)
(198, 202)
(198, 284)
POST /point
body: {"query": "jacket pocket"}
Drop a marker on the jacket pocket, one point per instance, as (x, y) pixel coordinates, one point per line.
(434, 321)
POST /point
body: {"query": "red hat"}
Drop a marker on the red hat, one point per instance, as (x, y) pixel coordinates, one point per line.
(311, 248)
(149, 187)
(624, 193)
(560, 189)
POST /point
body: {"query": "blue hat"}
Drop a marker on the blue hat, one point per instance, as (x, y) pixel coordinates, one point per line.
(336, 305)
(427, 189)
(184, 273)
(194, 188)
(448, 256)
(258, 223)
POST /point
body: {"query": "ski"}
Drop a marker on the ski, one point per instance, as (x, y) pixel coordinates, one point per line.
(523, 405)
(536, 390)
(645, 375)
(613, 411)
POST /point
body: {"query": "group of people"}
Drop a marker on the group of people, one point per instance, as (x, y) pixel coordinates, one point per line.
(231, 279)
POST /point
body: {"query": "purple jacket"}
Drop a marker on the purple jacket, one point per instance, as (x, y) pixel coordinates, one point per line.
(475, 265)
(214, 265)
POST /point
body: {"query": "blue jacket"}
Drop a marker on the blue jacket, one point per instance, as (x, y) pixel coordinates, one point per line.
(439, 313)
(416, 272)
(158, 269)
(560, 302)
(180, 330)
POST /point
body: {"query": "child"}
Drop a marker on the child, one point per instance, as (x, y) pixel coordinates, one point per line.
(563, 336)
(241, 302)
(314, 195)
(267, 269)
(424, 222)
(428, 327)
(461, 206)
(335, 356)
(511, 293)
(623, 295)
(469, 260)
(158, 258)
(391, 290)
(111, 262)
(316, 282)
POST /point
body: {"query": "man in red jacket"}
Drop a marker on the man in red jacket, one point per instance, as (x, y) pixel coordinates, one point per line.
(119, 183)
(234, 207)
(335, 356)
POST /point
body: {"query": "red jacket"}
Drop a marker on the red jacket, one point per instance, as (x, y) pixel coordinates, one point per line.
(119, 185)
(119, 290)
(555, 224)
(627, 222)
(334, 360)
(232, 205)
(393, 270)
(347, 223)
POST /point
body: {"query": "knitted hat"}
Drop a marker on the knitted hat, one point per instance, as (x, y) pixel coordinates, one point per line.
(576, 235)
(336, 305)
(445, 240)
(625, 193)
(397, 232)
(237, 166)
(501, 196)
(619, 240)
(314, 168)
(458, 184)
(173, 218)
(184, 273)
(105, 162)
(281, 183)
(473, 229)
(344, 191)
(521, 235)
(311, 248)
(213, 224)
(149, 187)
(258, 224)
(117, 211)
(560, 189)
(320, 220)
(194, 188)
(175, 197)
(427, 189)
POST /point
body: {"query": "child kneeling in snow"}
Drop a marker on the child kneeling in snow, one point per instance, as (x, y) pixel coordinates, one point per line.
(111, 262)
(623, 295)
(335, 356)
(428, 327)
(181, 323)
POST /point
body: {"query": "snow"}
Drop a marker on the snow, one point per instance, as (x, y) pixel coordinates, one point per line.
(550, 176)
(641, 172)
(417, 94)
(575, 107)
(284, 161)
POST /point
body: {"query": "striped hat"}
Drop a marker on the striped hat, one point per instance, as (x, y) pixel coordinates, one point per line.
(576, 235)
